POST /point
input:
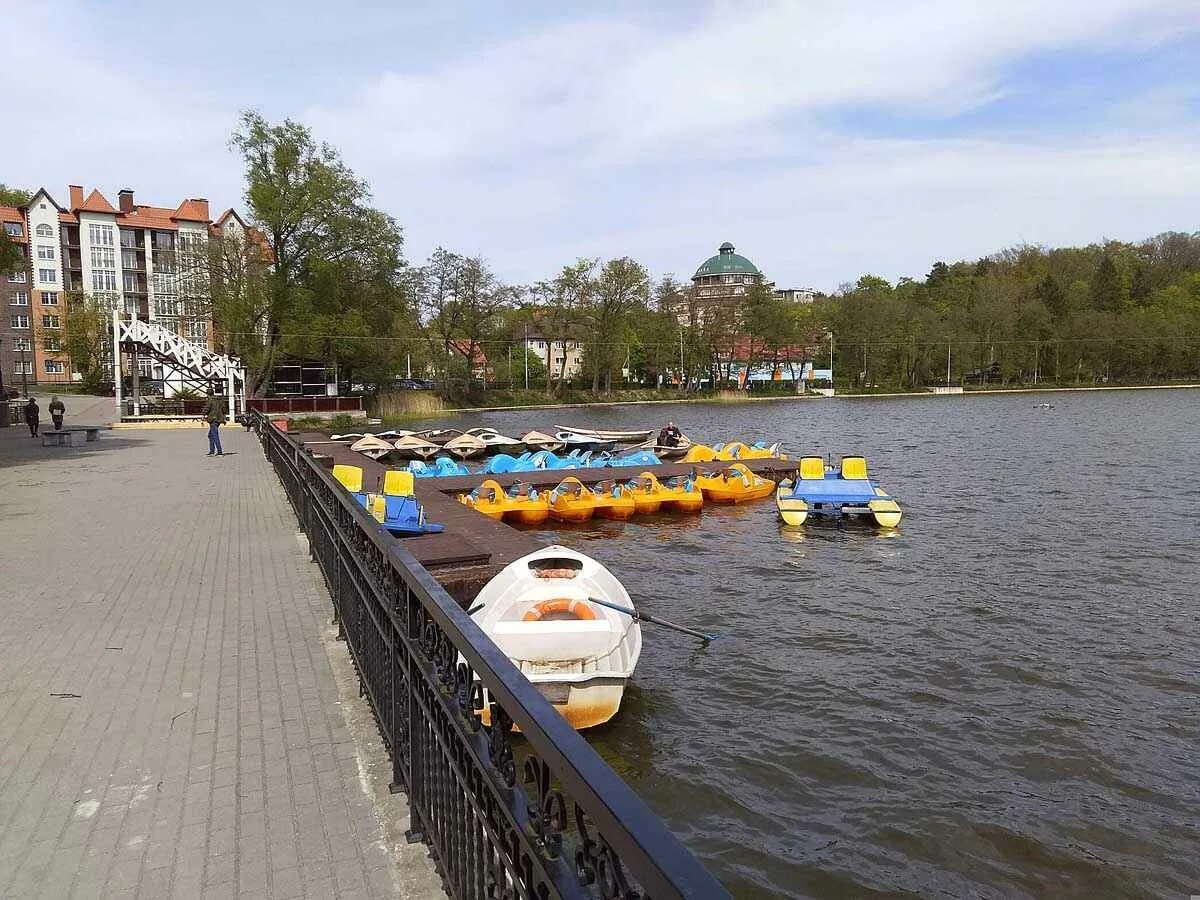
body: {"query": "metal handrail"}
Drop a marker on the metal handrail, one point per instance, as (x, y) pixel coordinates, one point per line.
(620, 847)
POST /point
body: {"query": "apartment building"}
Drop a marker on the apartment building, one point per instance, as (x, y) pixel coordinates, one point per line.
(565, 357)
(140, 260)
(16, 324)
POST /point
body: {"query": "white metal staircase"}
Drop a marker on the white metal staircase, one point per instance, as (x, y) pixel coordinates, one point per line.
(194, 358)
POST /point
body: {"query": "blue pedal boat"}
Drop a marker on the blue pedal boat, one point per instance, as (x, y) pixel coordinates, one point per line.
(404, 516)
(834, 494)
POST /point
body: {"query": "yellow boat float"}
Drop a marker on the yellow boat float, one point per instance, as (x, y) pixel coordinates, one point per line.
(822, 491)
(526, 505)
(737, 484)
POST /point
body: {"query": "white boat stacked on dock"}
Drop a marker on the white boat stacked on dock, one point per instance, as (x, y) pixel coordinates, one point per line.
(579, 654)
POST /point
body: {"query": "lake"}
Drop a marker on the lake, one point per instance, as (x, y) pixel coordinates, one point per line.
(1001, 698)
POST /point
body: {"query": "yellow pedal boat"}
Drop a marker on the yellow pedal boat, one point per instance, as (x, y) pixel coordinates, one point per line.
(737, 484)
(648, 494)
(682, 494)
(739, 450)
(528, 506)
(571, 501)
(613, 500)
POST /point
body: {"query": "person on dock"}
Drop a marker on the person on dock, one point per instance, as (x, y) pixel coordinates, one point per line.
(57, 412)
(32, 413)
(669, 436)
(214, 415)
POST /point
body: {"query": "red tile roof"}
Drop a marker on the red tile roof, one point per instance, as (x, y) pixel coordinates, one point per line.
(12, 214)
(193, 210)
(96, 203)
(69, 218)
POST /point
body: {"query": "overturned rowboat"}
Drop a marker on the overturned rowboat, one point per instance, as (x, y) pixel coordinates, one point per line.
(578, 654)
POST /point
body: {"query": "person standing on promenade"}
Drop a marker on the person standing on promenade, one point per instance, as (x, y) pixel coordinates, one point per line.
(214, 415)
(57, 411)
(32, 414)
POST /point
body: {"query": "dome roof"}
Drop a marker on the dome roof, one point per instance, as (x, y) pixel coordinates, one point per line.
(726, 262)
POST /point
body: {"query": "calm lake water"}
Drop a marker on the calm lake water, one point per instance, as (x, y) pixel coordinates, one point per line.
(1000, 699)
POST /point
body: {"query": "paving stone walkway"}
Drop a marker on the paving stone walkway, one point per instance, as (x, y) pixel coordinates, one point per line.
(169, 721)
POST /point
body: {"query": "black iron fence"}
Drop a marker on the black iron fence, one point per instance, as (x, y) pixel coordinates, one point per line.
(564, 825)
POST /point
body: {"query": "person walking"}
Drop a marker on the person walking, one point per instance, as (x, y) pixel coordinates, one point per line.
(32, 414)
(57, 411)
(214, 415)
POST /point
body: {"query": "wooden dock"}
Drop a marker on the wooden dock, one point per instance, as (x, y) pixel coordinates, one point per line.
(473, 548)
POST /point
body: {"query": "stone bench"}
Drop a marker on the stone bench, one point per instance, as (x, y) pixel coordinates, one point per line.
(91, 432)
(57, 438)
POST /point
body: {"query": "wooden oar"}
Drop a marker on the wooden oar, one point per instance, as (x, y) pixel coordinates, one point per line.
(655, 620)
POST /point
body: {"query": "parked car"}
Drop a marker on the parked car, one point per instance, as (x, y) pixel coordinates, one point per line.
(414, 384)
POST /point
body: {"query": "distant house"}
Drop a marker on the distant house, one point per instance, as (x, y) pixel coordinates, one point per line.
(559, 356)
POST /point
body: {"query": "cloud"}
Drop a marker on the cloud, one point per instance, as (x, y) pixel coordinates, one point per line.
(659, 137)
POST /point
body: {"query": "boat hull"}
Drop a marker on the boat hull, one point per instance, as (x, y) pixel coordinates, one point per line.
(792, 510)
(586, 705)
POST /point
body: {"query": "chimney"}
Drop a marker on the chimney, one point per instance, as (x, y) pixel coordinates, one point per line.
(125, 200)
(76, 196)
(202, 204)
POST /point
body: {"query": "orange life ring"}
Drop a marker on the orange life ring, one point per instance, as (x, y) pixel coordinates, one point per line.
(580, 609)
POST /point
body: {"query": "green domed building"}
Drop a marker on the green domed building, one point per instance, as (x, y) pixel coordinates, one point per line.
(722, 280)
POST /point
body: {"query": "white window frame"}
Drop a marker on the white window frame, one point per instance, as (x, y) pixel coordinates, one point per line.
(18, 278)
(49, 298)
(23, 367)
(56, 348)
(20, 298)
(48, 276)
(22, 345)
(14, 229)
(44, 230)
(45, 251)
(20, 321)
(58, 366)
(49, 320)
(100, 235)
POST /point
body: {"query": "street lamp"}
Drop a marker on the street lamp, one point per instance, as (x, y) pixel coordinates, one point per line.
(24, 372)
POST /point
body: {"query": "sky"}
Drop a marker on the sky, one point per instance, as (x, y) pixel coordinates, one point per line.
(825, 141)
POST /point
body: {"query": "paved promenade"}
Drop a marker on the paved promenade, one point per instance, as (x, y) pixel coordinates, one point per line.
(170, 719)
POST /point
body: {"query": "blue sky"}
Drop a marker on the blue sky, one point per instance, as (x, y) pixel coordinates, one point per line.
(824, 140)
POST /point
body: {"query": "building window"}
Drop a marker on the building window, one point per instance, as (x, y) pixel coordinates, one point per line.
(20, 321)
(49, 321)
(17, 277)
(45, 251)
(164, 240)
(129, 282)
(14, 229)
(100, 235)
(44, 230)
(48, 276)
(20, 299)
(129, 260)
(23, 368)
(22, 345)
(104, 281)
(103, 258)
(53, 367)
(198, 330)
(129, 238)
(51, 343)
(49, 298)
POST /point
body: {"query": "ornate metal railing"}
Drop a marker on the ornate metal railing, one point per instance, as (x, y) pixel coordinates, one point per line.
(566, 825)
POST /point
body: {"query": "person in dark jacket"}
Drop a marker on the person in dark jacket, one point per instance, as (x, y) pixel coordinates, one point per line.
(214, 415)
(32, 414)
(57, 411)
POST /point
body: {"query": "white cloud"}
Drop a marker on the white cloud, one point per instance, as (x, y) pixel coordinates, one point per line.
(608, 135)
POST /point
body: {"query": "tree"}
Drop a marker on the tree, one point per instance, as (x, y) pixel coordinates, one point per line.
(621, 287)
(86, 341)
(10, 196)
(12, 257)
(314, 211)
(1109, 292)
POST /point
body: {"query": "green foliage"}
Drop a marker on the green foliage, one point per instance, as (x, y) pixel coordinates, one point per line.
(86, 339)
(11, 256)
(335, 262)
(10, 196)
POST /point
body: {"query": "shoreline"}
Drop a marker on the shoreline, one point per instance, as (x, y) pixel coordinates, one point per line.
(740, 400)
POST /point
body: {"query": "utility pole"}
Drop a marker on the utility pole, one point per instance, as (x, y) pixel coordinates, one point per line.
(681, 375)
(947, 364)
(408, 365)
(1036, 347)
(525, 348)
